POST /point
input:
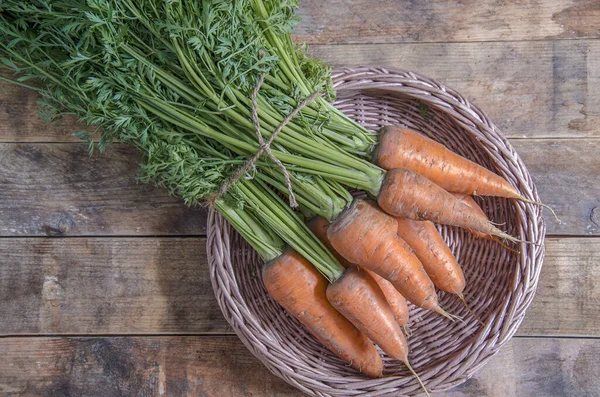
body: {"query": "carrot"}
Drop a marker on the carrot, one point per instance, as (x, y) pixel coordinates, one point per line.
(403, 148)
(394, 298)
(319, 226)
(431, 249)
(297, 286)
(410, 195)
(366, 236)
(358, 297)
(400, 147)
(468, 200)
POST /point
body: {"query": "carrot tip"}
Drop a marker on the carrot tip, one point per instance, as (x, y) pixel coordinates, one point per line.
(542, 205)
(449, 316)
(416, 376)
(462, 298)
(496, 239)
(407, 330)
(499, 233)
(516, 240)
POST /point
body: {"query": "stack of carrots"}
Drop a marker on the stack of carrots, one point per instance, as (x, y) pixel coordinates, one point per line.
(389, 259)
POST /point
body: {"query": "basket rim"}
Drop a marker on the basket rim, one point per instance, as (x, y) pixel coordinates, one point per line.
(506, 320)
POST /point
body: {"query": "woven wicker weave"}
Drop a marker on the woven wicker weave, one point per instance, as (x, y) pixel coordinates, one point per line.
(500, 283)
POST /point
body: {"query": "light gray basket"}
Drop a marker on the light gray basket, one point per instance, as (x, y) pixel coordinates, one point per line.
(500, 283)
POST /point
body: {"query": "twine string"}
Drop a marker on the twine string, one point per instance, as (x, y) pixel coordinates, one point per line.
(265, 147)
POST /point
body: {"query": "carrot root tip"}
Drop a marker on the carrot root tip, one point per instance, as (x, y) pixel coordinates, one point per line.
(499, 233)
(505, 246)
(462, 298)
(449, 316)
(410, 368)
(407, 330)
(542, 205)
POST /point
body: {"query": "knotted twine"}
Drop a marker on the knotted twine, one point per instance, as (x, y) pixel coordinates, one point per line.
(265, 146)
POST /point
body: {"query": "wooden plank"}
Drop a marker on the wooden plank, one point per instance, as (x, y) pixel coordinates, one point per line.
(222, 366)
(399, 21)
(107, 367)
(528, 89)
(564, 303)
(161, 285)
(19, 120)
(567, 175)
(538, 367)
(58, 189)
(102, 285)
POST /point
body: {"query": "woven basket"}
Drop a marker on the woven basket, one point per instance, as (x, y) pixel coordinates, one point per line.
(500, 283)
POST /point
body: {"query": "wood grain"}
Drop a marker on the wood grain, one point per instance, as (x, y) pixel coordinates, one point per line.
(161, 285)
(104, 285)
(111, 367)
(58, 189)
(396, 21)
(19, 120)
(545, 89)
(538, 367)
(567, 175)
(221, 366)
(565, 301)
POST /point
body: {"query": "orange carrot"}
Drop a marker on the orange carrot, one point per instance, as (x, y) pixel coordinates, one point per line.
(365, 235)
(410, 195)
(468, 200)
(319, 226)
(434, 254)
(403, 148)
(394, 298)
(297, 286)
(358, 297)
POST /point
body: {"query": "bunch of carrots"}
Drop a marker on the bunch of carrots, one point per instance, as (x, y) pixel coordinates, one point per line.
(199, 88)
(387, 259)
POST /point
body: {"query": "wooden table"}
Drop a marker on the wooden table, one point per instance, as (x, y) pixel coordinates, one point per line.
(104, 287)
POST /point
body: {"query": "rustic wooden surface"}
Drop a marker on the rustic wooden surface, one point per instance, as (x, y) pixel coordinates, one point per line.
(104, 287)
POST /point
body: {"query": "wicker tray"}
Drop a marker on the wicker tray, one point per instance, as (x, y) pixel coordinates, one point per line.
(500, 283)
